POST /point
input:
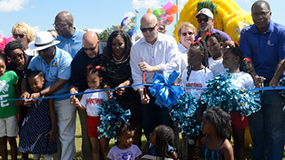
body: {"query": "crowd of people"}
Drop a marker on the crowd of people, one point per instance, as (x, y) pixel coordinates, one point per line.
(68, 61)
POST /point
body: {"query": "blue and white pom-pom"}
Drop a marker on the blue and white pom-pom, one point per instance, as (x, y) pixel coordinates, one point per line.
(183, 113)
(110, 113)
(223, 92)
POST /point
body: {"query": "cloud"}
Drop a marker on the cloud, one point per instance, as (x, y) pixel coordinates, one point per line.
(36, 29)
(129, 14)
(97, 30)
(138, 4)
(12, 5)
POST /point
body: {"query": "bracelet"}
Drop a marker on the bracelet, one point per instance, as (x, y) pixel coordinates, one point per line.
(41, 95)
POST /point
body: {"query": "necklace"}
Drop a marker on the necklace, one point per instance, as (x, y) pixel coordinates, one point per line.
(118, 60)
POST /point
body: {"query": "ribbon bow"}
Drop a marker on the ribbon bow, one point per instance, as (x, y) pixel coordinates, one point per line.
(166, 94)
(197, 41)
(95, 67)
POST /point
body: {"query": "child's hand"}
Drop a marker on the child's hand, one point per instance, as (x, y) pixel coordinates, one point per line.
(25, 95)
(51, 136)
(75, 101)
(27, 103)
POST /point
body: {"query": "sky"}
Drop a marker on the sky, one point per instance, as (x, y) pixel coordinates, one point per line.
(94, 14)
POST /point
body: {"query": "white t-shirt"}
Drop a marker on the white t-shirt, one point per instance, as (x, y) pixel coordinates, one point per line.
(92, 102)
(130, 153)
(216, 66)
(244, 80)
(196, 79)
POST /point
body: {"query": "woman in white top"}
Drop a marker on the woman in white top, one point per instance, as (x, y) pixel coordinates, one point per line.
(186, 34)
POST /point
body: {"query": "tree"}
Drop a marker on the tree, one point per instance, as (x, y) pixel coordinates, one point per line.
(103, 36)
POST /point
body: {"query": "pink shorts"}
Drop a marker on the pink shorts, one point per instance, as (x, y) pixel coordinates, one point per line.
(92, 124)
(238, 121)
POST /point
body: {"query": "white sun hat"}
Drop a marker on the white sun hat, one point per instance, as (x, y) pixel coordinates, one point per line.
(42, 41)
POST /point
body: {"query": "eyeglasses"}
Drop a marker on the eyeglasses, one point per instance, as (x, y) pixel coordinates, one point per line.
(59, 25)
(19, 35)
(263, 14)
(148, 29)
(185, 33)
(19, 55)
(90, 49)
(203, 19)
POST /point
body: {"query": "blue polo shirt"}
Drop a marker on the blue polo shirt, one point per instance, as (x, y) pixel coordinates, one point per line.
(59, 67)
(214, 30)
(71, 45)
(265, 49)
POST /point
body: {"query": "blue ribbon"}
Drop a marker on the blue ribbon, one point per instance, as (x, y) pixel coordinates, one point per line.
(166, 95)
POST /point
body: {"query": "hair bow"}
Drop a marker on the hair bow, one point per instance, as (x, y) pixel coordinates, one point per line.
(197, 41)
(95, 67)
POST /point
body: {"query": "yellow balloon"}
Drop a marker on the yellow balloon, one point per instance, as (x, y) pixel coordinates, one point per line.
(230, 18)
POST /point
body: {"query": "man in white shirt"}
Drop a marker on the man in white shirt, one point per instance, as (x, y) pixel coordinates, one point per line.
(155, 52)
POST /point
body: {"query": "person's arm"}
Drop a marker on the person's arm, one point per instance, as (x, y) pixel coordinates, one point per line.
(51, 89)
(246, 49)
(172, 61)
(148, 68)
(227, 150)
(120, 91)
(174, 155)
(77, 104)
(137, 75)
(52, 120)
(278, 73)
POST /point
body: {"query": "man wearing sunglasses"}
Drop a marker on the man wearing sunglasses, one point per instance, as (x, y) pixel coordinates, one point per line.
(70, 38)
(205, 20)
(88, 55)
(154, 52)
(263, 43)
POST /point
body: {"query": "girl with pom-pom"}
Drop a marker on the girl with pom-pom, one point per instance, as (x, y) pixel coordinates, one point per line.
(125, 149)
(215, 42)
(160, 145)
(91, 103)
(217, 128)
(196, 75)
(232, 59)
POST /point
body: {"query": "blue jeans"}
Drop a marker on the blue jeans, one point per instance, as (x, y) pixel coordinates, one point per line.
(266, 127)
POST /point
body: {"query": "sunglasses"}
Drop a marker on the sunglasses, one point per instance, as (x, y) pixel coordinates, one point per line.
(19, 55)
(18, 35)
(59, 25)
(185, 33)
(148, 29)
(203, 19)
(90, 49)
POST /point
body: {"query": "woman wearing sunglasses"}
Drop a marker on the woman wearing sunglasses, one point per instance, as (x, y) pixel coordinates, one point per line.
(186, 34)
(25, 34)
(19, 64)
